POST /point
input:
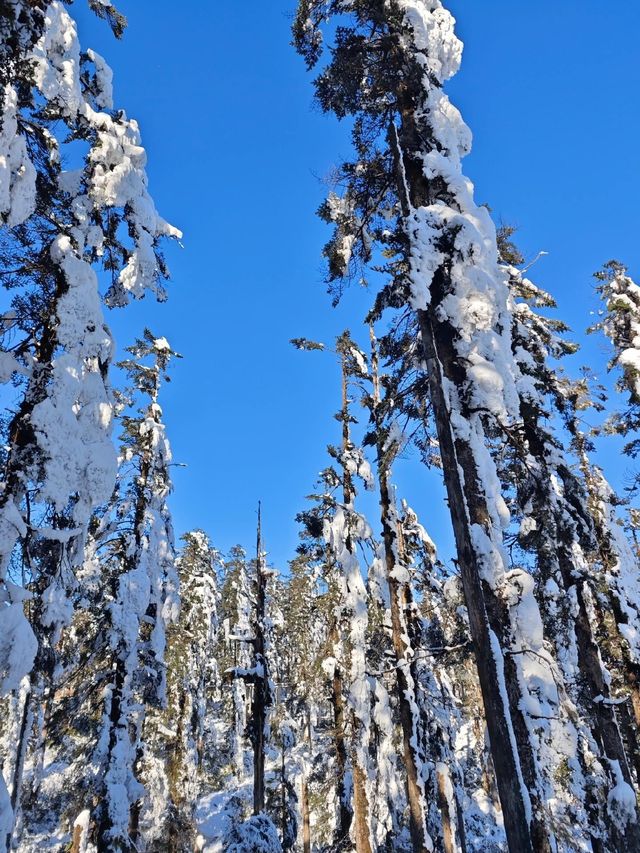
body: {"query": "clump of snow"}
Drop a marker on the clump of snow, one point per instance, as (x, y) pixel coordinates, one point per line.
(258, 834)
(81, 830)
(18, 646)
(17, 173)
(621, 800)
(434, 36)
(103, 81)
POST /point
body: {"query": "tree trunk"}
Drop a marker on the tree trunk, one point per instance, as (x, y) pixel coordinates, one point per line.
(449, 819)
(306, 823)
(283, 793)
(117, 719)
(405, 684)
(510, 747)
(261, 698)
(361, 808)
(345, 813)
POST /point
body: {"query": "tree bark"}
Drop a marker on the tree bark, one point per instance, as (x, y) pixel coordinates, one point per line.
(361, 809)
(345, 813)
(511, 749)
(306, 823)
(510, 746)
(261, 697)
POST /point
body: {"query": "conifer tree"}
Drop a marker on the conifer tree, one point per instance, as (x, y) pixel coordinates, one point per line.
(262, 697)
(308, 620)
(556, 523)
(621, 325)
(257, 674)
(414, 722)
(236, 609)
(176, 736)
(59, 226)
(145, 600)
(344, 529)
(615, 566)
(406, 195)
(342, 533)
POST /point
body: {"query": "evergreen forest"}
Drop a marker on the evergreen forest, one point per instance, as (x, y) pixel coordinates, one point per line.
(373, 693)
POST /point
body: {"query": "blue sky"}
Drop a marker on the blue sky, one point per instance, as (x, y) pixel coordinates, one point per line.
(237, 152)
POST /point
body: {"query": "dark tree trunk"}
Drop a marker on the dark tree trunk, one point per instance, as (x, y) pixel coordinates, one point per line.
(117, 719)
(261, 697)
(345, 813)
(510, 746)
(306, 822)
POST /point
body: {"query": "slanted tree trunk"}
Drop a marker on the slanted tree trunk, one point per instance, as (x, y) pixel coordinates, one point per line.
(283, 791)
(304, 800)
(510, 746)
(616, 648)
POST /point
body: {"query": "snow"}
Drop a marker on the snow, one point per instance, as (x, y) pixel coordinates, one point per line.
(499, 664)
(73, 423)
(6, 812)
(17, 173)
(356, 463)
(103, 81)
(12, 526)
(214, 817)
(57, 607)
(342, 212)
(258, 834)
(72, 427)
(18, 646)
(360, 360)
(56, 60)
(434, 36)
(622, 326)
(81, 830)
(621, 800)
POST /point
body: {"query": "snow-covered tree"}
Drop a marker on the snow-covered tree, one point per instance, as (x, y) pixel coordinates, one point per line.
(556, 524)
(614, 567)
(303, 645)
(60, 226)
(145, 600)
(428, 775)
(255, 634)
(620, 322)
(344, 529)
(176, 737)
(235, 652)
(405, 195)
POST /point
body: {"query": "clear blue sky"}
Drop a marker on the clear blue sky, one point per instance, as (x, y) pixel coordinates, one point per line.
(236, 152)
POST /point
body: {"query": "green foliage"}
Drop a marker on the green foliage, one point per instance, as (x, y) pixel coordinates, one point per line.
(108, 12)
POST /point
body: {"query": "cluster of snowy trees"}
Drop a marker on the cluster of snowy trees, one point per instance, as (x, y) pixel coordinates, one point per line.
(368, 697)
